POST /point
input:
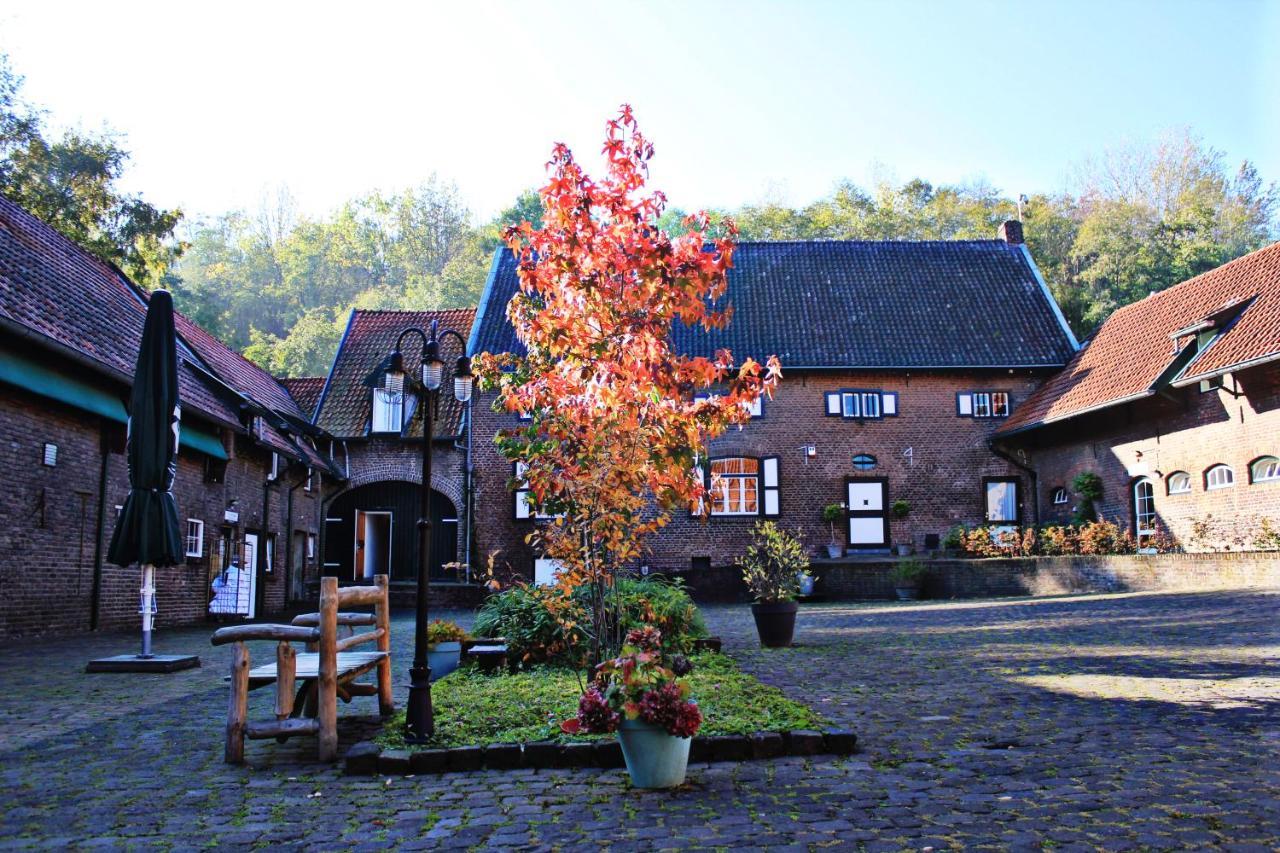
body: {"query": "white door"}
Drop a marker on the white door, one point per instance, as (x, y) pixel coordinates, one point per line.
(249, 591)
(868, 524)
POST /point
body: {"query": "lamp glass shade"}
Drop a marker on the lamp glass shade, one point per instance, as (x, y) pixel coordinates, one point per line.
(462, 388)
(432, 374)
(393, 381)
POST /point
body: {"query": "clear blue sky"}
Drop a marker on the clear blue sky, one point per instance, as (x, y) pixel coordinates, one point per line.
(218, 102)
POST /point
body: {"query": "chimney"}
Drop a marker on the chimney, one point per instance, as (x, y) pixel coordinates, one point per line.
(1011, 232)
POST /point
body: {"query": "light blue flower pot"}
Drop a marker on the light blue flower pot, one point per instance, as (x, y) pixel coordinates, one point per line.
(443, 659)
(654, 758)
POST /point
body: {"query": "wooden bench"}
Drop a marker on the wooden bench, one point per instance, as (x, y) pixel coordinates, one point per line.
(322, 675)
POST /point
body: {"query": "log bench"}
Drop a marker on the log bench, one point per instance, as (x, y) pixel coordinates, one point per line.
(308, 685)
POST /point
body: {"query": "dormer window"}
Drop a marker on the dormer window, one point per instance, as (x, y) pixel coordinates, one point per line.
(388, 411)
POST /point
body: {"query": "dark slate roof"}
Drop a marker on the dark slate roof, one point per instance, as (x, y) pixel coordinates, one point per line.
(942, 304)
(305, 390)
(70, 300)
(1133, 353)
(345, 405)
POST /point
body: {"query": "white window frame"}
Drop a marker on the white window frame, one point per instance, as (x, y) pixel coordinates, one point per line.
(311, 546)
(271, 553)
(311, 472)
(1184, 489)
(728, 489)
(984, 405)
(860, 404)
(1269, 467)
(1144, 517)
(387, 416)
(1225, 481)
(1060, 496)
(768, 490)
(198, 536)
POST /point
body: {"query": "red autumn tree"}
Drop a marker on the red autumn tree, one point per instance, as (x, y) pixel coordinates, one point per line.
(612, 444)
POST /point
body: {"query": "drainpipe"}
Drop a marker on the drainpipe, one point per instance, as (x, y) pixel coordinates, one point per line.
(262, 547)
(290, 593)
(95, 597)
(1035, 478)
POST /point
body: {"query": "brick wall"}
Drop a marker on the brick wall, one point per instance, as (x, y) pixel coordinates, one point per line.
(48, 518)
(1156, 437)
(871, 580)
(941, 477)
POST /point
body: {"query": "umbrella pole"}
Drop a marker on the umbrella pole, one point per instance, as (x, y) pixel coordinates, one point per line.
(148, 596)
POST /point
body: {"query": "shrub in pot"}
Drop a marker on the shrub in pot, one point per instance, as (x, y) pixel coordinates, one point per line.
(771, 569)
(908, 577)
(647, 703)
(444, 647)
(831, 513)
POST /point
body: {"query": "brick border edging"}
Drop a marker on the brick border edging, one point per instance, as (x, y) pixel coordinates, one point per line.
(367, 759)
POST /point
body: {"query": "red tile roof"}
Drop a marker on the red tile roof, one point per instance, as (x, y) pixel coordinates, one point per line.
(306, 391)
(344, 407)
(1132, 354)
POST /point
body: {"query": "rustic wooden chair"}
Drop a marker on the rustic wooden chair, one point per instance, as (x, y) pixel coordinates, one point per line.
(327, 671)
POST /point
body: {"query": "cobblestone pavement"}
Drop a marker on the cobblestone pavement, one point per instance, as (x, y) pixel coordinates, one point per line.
(1114, 722)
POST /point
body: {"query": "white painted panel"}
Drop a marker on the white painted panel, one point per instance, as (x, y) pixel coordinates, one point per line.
(890, 404)
(866, 497)
(833, 404)
(866, 531)
(523, 510)
(966, 404)
(545, 571)
(771, 502)
(770, 473)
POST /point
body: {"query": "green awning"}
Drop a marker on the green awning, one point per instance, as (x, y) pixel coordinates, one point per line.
(39, 379)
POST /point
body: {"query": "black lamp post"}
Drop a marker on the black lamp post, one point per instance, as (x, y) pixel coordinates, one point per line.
(390, 375)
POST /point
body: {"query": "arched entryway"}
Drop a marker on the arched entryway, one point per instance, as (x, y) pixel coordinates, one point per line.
(373, 528)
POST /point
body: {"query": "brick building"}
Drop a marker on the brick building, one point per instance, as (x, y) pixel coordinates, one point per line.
(900, 361)
(370, 524)
(248, 477)
(1174, 402)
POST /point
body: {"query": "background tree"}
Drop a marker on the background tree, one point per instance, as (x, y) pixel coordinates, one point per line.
(612, 444)
(70, 183)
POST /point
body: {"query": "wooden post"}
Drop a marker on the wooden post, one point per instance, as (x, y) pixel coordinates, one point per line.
(238, 708)
(327, 692)
(286, 667)
(386, 705)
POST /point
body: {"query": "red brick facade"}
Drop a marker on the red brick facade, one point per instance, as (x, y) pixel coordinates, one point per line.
(49, 522)
(932, 458)
(1183, 431)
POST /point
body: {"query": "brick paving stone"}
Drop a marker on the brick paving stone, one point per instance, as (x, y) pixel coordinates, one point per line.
(1119, 722)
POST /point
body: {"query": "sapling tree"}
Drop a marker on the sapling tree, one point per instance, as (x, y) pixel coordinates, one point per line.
(616, 421)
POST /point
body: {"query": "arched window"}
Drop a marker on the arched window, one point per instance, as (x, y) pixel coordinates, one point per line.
(1144, 509)
(864, 462)
(1219, 477)
(1060, 495)
(1265, 469)
(1179, 483)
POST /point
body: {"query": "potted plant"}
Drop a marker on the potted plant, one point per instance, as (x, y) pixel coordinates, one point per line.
(444, 647)
(647, 704)
(771, 569)
(907, 577)
(831, 513)
(900, 510)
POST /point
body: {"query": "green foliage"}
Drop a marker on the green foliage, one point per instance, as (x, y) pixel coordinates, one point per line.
(1088, 486)
(908, 572)
(954, 540)
(773, 563)
(71, 183)
(1091, 537)
(471, 708)
(546, 624)
(900, 508)
(444, 631)
(1267, 537)
(832, 513)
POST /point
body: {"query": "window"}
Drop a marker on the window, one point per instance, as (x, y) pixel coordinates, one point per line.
(859, 405)
(1219, 477)
(523, 497)
(1179, 483)
(1144, 510)
(982, 404)
(311, 546)
(864, 462)
(271, 553)
(743, 485)
(50, 455)
(755, 408)
(195, 538)
(1265, 470)
(1001, 501)
(388, 410)
(1060, 495)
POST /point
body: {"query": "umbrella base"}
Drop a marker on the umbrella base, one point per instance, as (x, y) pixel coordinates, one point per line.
(137, 663)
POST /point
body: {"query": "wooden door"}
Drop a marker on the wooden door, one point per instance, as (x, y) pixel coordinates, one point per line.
(867, 501)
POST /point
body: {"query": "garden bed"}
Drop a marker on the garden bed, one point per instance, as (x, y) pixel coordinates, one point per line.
(507, 721)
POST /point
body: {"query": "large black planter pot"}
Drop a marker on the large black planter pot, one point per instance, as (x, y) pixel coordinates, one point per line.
(775, 623)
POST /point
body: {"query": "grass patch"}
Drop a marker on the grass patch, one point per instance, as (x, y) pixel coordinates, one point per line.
(475, 709)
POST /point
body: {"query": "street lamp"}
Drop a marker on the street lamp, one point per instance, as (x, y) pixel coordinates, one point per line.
(419, 723)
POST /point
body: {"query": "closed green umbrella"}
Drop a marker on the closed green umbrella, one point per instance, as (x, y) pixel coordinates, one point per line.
(147, 531)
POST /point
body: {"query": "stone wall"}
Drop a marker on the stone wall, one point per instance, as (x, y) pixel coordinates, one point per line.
(870, 580)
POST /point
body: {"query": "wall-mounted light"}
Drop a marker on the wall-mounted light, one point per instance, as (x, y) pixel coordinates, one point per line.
(50, 456)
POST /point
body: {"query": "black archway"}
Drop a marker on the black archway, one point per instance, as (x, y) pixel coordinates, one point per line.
(396, 502)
